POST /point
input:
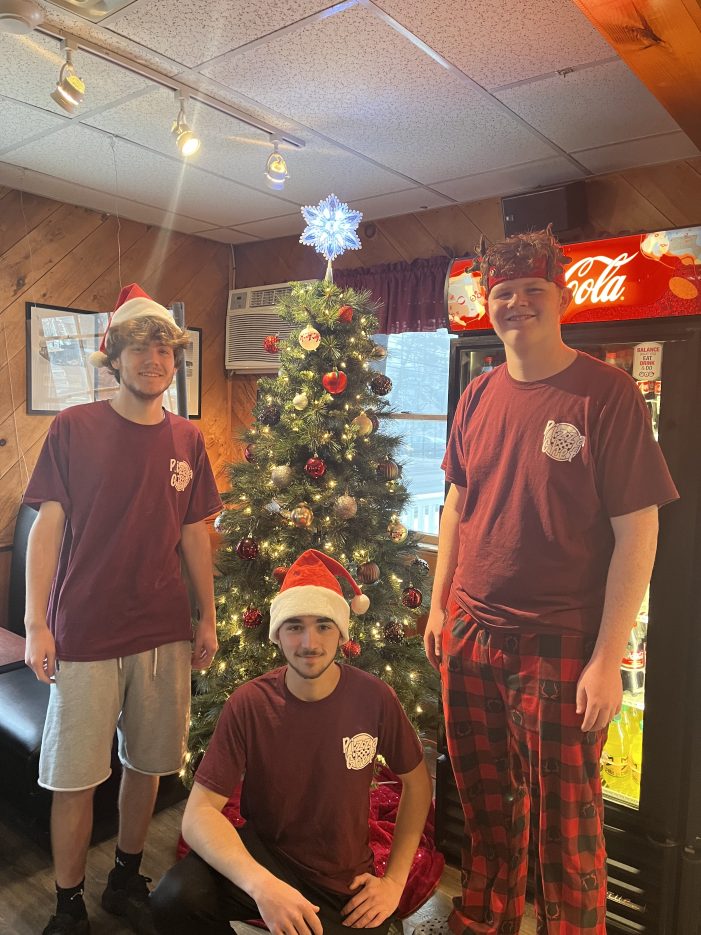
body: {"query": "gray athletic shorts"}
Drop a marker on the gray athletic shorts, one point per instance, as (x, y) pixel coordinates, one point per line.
(145, 696)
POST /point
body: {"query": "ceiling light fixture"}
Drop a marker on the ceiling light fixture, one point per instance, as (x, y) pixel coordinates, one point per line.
(20, 17)
(276, 173)
(70, 89)
(187, 142)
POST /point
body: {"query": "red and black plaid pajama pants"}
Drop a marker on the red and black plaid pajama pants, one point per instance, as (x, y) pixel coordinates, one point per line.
(524, 771)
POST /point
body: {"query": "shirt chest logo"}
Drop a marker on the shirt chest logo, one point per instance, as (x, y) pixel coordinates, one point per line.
(562, 441)
(359, 750)
(180, 474)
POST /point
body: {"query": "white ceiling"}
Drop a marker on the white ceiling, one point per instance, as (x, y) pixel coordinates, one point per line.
(401, 105)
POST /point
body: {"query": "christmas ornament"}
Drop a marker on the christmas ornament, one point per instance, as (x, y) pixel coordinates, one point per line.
(247, 549)
(315, 467)
(281, 475)
(378, 352)
(252, 618)
(309, 338)
(300, 401)
(397, 532)
(412, 598)
(272, 507)
(375, 421)
(369, 572)
(249, 453)
(389, 470)
(331, 227)
(335, 381)
(362, 424)
(272, 344)
(346, 507)
(218, 521)
(393, 632)
(351, 649)
(345, 314)
(380, 384)
(421, 565)
(270, 415)
(302, 516)
(279, 573)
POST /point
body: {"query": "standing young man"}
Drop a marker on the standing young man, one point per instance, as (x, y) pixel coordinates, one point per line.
(546, 547)
(122, 488)
(304, 738)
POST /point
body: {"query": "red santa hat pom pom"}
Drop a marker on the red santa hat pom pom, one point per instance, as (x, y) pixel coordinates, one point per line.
(360, 603)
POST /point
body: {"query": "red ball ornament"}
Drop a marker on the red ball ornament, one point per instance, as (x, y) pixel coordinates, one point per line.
(412, 598)
(249, 453)
(388, 470)
(315, 467)
(247, 549)
(271, 344)
(375, 421)
(345, 314)
(369, 572)
(351, 649)
(380, 384)
(335, 381)
(279, 573)
(252, 618)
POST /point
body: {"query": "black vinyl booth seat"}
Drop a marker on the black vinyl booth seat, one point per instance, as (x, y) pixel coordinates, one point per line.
(23, 703)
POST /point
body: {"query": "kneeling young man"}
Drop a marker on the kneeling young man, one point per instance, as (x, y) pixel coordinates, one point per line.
(304, 737)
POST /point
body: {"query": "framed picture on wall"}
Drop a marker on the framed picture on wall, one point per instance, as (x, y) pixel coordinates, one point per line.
(59, 373)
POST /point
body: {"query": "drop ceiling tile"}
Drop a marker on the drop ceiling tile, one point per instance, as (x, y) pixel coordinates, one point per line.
(184, 32)
(645, 152)
(31, 66)
(355, 79)
(510, 180)
(413, 199)
(238, 151)
(589, 108)
(502, 42)
(226, 235)
(284, 226)
(19, 122)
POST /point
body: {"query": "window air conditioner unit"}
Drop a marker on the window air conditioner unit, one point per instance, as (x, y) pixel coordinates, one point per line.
(251, 317)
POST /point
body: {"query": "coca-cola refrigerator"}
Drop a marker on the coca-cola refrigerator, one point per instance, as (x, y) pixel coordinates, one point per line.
(636, 305)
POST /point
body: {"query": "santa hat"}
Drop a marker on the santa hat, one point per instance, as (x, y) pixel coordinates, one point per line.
(133, 302)
(310, 587)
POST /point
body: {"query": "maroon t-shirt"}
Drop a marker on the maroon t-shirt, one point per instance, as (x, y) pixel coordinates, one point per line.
(307, 768)
(127, 490)
(546, 465)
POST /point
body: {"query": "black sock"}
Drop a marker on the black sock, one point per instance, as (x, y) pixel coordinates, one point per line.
(125, 866)
(70, 900)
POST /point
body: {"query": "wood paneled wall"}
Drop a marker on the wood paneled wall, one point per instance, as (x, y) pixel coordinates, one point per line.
(645, 199)
(54, 253)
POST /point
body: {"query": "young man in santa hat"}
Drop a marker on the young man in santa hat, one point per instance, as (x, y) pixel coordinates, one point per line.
(122, 488)
(304, 737)
(546, 546)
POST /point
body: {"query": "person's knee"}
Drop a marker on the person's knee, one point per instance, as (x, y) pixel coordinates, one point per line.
(173, 901)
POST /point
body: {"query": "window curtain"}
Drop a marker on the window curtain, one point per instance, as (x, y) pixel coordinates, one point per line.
(412, 294)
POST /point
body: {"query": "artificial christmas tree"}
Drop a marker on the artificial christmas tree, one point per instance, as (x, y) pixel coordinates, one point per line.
(319, 472)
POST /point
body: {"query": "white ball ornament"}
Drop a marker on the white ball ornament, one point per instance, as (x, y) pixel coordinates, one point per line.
(309, 338)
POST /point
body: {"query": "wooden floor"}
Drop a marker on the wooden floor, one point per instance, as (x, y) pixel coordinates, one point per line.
(27, 882)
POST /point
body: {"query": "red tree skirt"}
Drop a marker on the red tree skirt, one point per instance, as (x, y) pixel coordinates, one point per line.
(427, 867)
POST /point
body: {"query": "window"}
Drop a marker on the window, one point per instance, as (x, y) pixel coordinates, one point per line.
(417, 364)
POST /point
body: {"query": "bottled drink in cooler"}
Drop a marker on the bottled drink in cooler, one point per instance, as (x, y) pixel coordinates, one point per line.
(487, 364)
(614, 759)
(636, 757)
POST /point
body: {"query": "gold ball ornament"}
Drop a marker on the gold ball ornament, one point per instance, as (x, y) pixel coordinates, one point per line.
(346, 507)
(309, 338)
(281, 476)
(300, 401)
(302, 516)
(397, 532)
(362, 424)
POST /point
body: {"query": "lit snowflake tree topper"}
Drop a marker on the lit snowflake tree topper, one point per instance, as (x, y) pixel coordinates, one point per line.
(331, 228)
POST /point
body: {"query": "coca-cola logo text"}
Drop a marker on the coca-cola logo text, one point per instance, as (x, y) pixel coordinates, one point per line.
(605, 284)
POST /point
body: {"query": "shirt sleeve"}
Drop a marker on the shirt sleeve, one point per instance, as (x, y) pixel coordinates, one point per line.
(49, 480)
(205, 498)
(398, 742)
(224, 762)
(631, 470)
(454, 459)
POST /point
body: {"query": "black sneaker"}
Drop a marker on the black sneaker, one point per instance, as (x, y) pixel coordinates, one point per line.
(132, 902)
(63, 923)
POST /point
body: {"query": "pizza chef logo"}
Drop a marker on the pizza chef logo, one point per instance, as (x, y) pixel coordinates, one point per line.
(359, 750)
(562, 441)
(180, 474)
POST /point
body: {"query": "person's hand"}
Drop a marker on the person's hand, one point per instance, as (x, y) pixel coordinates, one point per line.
(599, 694)
(205, 645)
(433, 635)
(40, 652)
(286, 912)
(375, 901)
